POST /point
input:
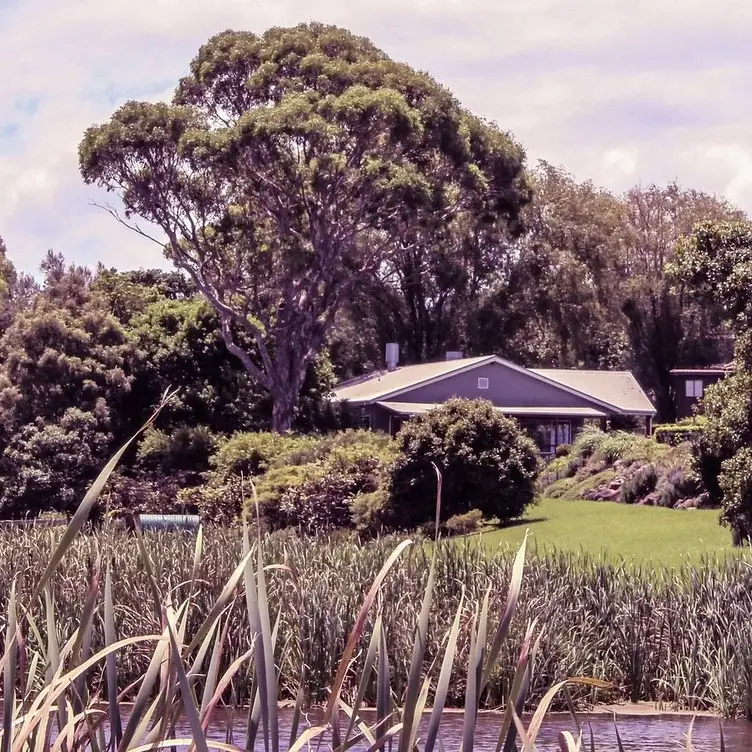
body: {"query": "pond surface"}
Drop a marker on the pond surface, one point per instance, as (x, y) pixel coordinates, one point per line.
(637, 733)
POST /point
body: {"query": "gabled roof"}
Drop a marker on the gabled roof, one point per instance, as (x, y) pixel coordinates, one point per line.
(614, 391)
(618, 388)
(384, 383)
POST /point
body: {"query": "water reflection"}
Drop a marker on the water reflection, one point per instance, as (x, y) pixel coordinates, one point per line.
(637, 733)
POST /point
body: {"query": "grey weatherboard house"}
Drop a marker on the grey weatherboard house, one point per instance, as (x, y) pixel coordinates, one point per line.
(551, 404)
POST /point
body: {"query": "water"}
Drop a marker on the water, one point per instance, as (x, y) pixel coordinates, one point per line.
(648, 734)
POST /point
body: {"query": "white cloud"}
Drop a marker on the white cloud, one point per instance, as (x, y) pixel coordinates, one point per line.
(623, 160)
(619, 92)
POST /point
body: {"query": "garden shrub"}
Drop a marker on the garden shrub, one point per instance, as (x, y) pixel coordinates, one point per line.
(252, 454)
(487, 462)
(616, 445)
(735, 481)
(563, 450)
(322, 502)
(185, 448)
(638, 485)
(370, 511)
(588, 441)
(675, 484)
(463, 524)
(674, 434)
(144, 494)
(727, 406)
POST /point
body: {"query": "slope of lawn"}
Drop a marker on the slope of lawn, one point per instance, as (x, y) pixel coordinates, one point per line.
(643, 535)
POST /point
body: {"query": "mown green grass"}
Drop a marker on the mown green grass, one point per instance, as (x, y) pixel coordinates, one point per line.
(616, 532)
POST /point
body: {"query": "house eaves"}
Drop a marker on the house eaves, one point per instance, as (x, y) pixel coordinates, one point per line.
(389, 395)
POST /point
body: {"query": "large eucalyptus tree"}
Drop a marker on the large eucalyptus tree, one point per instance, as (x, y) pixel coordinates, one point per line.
(291, 167)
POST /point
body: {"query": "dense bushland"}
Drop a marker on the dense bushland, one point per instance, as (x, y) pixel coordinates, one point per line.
(365, 480)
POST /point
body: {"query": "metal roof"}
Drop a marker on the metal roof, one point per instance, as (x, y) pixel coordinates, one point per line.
(612, 391)
(618, 388)
(383, 383)
(417, 408)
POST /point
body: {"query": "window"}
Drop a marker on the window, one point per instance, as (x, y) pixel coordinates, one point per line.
(694, 388)
(365, 422)
(482, 383)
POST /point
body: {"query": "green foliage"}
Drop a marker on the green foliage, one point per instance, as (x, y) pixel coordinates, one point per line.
(563, 450)
(735, 481)
(184, 448)
(322, 143)
(323, 501)
(639, 484)
(65, 393)
(677, 483)
(48, 465)
(676, 433)
(588, 441)
(309, 482)
(463, 524)
(727, 407)
(486, 460)
(252, 454)
(615, 445)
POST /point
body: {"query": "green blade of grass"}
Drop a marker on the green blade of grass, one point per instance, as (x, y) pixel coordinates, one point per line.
(212, 673)
(445, 676)
(540, 712)
(567, 742)
(110, 638)
(358, 627)
(222, 685)
(299, 700)
(189, 703)
(416, 661)
(618, 738)
(219, 605)
(9, 678)
(515, 587)
(383, 685)
(689, 747)
(144, 692)
(506, 733)
(267, 641)
(365, 677)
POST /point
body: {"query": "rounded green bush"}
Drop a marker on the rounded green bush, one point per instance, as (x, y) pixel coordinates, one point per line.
(735, 481)
(486, 460)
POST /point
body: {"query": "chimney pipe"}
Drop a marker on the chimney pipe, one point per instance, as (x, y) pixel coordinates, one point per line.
(392, 356)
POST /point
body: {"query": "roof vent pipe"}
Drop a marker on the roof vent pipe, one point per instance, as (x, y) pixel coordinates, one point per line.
(392, 356)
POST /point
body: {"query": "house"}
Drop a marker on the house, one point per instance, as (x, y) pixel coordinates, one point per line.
(551, 404)
(689, 385)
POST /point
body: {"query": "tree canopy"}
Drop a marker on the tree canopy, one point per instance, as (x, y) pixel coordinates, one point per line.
(293, 166)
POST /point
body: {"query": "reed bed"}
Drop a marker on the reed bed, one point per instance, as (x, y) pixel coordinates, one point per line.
(682, 638)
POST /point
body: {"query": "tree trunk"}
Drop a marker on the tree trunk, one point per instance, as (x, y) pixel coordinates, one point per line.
(282, 412)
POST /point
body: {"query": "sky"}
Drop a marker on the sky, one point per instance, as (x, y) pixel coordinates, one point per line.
(623, 92)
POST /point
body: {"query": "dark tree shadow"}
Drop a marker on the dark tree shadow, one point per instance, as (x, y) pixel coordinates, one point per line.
(522, 521)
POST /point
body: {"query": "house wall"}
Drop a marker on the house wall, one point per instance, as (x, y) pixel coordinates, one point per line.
(684, 404)
(506, 388)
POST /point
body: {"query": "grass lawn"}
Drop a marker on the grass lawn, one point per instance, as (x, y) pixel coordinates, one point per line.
(643, 535)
